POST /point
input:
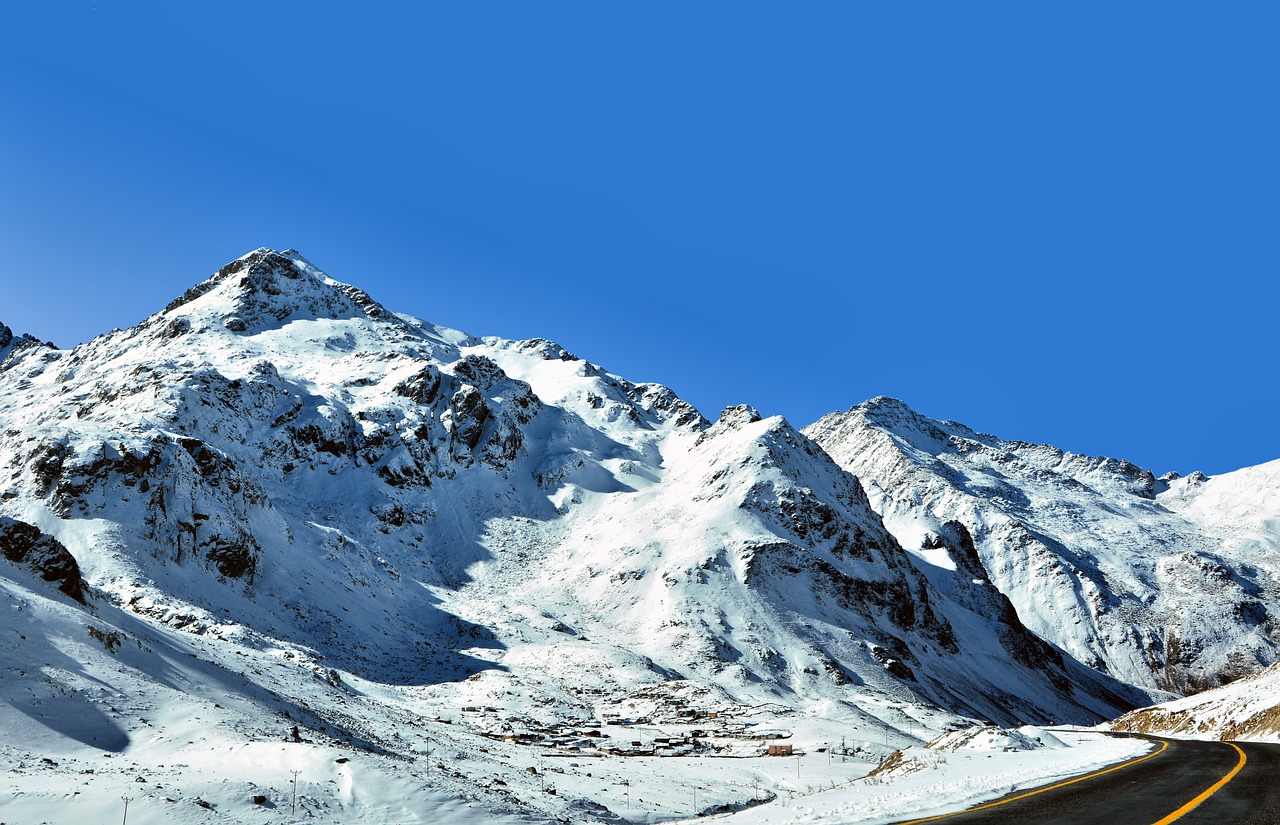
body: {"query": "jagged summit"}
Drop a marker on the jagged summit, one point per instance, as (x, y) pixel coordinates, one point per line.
(260, 264)
(266, 289)
(893, 413)
(10, 343)
(886, 404)
(931, 437)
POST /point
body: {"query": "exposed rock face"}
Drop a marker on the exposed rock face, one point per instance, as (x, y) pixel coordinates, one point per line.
(973, 589)
(269, 288)
(24, 544)
(10, 343)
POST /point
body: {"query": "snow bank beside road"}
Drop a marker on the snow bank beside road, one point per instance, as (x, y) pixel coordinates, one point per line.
(929, 782)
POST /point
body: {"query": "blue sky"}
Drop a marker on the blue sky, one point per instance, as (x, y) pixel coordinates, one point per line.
(1052, 222)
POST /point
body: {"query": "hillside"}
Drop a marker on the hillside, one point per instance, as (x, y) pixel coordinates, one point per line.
(1248, 708)
(1163, 583)
(280, 519)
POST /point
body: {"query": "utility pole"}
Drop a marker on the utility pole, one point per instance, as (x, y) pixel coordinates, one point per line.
(293, 806)
(695, 801)
(127, 800)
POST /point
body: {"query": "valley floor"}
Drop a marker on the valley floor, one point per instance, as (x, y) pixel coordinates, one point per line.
(217, 781)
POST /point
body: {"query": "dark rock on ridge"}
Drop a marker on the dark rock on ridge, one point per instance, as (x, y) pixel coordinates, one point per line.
(44, 555)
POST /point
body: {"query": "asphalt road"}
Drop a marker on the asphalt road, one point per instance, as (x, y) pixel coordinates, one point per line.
(1152, 790)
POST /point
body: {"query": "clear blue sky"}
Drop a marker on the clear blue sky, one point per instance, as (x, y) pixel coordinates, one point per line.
(1052, 222)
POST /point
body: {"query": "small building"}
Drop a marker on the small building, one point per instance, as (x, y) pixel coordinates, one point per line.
(781, 750)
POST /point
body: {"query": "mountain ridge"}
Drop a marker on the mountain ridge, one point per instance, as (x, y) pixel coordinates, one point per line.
(1112, 536)
(278, 471)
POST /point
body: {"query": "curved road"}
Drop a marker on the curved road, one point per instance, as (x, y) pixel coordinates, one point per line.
(1161, 788)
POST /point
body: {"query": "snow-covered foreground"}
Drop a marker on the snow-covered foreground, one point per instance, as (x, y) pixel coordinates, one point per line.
(936, 780)
(192, 761)
(815, 787)
(98, 704)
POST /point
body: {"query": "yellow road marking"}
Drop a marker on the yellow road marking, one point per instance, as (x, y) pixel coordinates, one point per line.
(1217, 786)
(1163, 747)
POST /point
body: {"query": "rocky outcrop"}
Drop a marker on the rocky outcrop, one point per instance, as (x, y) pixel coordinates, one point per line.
(272, 288)
(197, 499)
(11, 343)
(972, 588)
(43, 555)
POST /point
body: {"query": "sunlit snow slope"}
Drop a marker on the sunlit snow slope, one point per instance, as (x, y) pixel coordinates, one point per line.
(1166, 583)
(282, 500)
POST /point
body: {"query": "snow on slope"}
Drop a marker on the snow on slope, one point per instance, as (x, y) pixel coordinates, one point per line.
(756, 566)
(332, 531)
(101, 704)
(1248, 708)
(10, 343)
(359, 523)
(1240, 507)
(1147, 580)
(278, 449)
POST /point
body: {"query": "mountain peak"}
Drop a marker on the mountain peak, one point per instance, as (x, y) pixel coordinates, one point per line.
(260, 269)
(9, 342)
(266, 288)
(885, 406)
(894, 415)
(739, 415)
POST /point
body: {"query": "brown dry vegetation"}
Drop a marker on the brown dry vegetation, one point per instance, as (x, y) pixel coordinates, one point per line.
(1262, 725)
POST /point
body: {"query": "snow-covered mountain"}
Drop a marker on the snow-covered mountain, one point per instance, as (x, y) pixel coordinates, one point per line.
(1168, 583)
(279, 500)
(279, 449)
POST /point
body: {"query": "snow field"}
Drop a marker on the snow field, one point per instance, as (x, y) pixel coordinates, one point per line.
(936, 783)
(812, 787)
